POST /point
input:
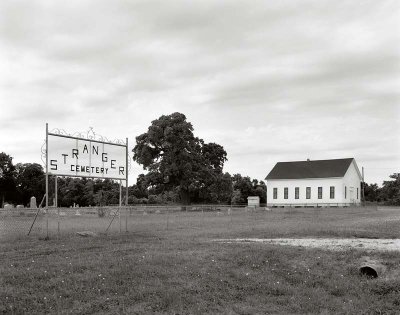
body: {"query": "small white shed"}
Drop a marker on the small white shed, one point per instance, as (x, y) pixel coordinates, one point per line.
(253, 201)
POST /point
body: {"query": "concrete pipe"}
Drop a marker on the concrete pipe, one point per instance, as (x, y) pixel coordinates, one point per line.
(372, 269)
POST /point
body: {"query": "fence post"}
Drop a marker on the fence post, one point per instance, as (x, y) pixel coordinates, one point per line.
(126, 219)
(167, 218)
(47, 223)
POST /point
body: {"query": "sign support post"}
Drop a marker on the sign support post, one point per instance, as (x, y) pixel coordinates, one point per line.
(120, 205)
(55, 192)
(56, 205)
(47, 179)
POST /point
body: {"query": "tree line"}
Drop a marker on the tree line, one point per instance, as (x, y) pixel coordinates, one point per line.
(18, 183)
(388, 194)
(180, 168)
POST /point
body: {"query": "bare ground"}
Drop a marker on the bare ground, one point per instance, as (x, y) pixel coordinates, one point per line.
(335, 244)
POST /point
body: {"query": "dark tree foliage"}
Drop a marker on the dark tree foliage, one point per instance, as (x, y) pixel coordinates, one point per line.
(107, 192)
(220, 191)
(244, 187)
(86, 192)
(175, 158)
(7, 179)
(390, 191)
(214, 155)
(371, 192)
(70, 192)
(260, 189)
(30, 182)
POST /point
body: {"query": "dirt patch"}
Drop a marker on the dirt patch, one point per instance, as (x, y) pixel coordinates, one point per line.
(336, 244)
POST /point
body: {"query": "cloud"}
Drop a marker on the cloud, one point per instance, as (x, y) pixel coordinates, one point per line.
(269, 81)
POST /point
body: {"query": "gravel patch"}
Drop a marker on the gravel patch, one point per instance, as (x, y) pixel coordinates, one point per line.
(335, 244)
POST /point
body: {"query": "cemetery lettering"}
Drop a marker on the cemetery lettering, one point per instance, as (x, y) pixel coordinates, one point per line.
(84, 158)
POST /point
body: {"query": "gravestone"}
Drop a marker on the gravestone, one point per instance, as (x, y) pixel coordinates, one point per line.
(8, 206)
(32, 203)
(20, 206)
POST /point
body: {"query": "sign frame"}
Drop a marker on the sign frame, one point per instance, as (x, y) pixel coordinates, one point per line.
(88, 139)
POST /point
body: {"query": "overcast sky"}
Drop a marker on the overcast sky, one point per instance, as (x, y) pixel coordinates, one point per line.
(269, 80)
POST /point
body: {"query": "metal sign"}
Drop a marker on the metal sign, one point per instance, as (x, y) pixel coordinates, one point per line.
(78, 155)
(73, 156)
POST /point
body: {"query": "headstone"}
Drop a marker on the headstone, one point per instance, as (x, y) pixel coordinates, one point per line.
(8, 206)
(32, 204)
(20, 206)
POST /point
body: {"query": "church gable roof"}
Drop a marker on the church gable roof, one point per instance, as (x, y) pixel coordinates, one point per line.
(310, 169)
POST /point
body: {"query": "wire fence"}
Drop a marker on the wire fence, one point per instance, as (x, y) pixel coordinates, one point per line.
(58, 222)
(40, 222)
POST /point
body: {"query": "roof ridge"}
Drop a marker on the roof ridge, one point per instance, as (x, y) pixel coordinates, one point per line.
(316, 160)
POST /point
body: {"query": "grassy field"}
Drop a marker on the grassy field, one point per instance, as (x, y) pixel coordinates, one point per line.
(168, 263)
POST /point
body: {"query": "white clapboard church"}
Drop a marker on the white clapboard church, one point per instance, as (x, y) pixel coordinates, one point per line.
(314, 183)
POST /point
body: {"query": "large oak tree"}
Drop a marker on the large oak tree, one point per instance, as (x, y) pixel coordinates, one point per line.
(176, 159)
